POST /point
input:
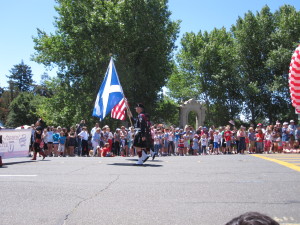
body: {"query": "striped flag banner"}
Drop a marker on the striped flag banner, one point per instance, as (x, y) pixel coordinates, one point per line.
(118, 112)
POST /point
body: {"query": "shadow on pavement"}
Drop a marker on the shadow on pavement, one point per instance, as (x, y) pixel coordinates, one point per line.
(130, 164)
(12, 163)
(149, 160)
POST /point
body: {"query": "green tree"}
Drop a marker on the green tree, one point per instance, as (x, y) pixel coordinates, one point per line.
(42, 89)
(207, 71)
(167, 111)
(265, 43)
(4, 104)
(20, 78)
(244, 71)
(23, 109)
(89, 32)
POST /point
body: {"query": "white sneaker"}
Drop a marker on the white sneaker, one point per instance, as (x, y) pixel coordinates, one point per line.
(144, 157)
(140, 161)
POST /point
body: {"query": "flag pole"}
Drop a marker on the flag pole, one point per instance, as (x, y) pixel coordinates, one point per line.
(129, 114)
(126, 104)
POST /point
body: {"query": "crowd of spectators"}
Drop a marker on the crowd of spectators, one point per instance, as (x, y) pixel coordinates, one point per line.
(167, 141)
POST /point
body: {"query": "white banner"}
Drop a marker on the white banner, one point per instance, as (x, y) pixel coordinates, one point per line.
(15, 143)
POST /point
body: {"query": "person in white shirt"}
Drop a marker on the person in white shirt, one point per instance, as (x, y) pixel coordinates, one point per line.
(204, 142)
(217, 141)
(94, 129)
(84, 135)
(171, 142)
(50, 140)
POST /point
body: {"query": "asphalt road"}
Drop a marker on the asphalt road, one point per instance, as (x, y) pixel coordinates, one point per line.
(170, 190)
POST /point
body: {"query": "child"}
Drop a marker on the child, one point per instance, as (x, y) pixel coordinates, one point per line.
(180, 146)
(195, 146)
(241, 135)
(251, 137)
(123, 146)
(55, 141)
(259, 140)
(104, 151)
(45, 141)
(203, 142)
(217, 140)
(233, 142)
(285, 136)
(268, 141)
(227, 137)
(157, 142)
(71, 143)
(186, 138)
(62, 141)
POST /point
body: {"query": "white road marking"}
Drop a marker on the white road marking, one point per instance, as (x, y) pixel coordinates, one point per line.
(7, 175)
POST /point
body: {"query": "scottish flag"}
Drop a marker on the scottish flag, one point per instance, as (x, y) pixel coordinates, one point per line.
(110, 93)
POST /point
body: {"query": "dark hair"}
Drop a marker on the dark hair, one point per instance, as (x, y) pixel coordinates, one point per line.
(252, 218)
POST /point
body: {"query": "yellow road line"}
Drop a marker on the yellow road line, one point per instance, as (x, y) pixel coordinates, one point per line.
(289, 165)
(284, 155)
(296, 160)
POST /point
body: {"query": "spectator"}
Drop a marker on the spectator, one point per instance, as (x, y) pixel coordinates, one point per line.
(71, 143)
(228, 137)
(55, 141)
(252, 139)
(241, 135)
(61, 146)
(259, 140)
(195, 145)
(203, 142)
(84, 136)
(96, 140)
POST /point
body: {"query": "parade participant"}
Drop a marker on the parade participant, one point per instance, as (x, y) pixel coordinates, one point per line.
(140, 141)
(37, 142)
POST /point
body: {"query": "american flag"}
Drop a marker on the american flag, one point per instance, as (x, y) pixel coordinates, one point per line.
(118, 112)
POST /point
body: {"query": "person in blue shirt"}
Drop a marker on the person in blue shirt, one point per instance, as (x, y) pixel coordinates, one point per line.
(62, 141)
(96, 137)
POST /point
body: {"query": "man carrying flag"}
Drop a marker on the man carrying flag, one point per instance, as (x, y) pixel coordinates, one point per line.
(111, 98)
(141, 137)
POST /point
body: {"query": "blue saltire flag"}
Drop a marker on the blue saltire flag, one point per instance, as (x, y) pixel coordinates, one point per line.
(110, 93)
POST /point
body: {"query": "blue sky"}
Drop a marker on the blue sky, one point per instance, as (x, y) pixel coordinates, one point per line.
(19, 20)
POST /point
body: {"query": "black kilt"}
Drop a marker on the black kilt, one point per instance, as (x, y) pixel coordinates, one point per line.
(138, 142)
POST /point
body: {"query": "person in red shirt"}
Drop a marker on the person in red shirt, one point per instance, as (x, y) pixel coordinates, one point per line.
(104, 150)
(259, 140)
(227, 137)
